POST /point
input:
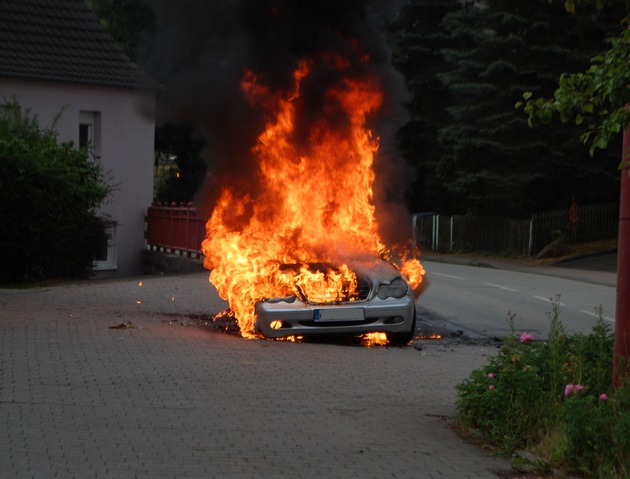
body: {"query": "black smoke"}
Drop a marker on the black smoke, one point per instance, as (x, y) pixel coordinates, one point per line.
(204, 47)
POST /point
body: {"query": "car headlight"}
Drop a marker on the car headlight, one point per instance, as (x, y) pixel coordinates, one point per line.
(395, 289)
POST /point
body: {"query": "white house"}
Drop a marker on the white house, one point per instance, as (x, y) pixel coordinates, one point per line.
(57, 60)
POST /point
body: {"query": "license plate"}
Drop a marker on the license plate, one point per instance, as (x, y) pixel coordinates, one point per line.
(339, 314)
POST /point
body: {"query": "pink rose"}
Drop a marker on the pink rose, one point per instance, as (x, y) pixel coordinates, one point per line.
(527, 338)
(490, 375)
(603, 396)
(573, 389)
(491, 387)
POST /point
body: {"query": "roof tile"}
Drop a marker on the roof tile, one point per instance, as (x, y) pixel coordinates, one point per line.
(62, 40)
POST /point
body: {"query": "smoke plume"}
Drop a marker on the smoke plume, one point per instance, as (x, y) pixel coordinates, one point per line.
(204, 48)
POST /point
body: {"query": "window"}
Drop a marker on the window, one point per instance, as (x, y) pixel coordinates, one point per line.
(90, 137)
(90, 132)
(106, 256)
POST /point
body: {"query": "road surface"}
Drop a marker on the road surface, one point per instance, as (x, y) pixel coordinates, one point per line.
(492, 302)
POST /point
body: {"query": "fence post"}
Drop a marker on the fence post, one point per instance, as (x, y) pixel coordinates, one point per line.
(437, 232)
(530, 246)
(190, 216)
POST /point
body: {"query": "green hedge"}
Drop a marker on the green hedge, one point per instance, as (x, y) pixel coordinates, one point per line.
(49, 195)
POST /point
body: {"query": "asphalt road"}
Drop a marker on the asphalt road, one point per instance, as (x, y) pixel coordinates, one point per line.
(482, 297)
(494, 302)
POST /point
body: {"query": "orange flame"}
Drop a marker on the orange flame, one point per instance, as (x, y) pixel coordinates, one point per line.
(315, 206)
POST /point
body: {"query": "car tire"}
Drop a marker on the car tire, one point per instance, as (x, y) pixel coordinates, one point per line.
(402, 339)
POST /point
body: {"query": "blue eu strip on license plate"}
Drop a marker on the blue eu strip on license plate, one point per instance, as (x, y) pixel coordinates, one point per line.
(316, 315)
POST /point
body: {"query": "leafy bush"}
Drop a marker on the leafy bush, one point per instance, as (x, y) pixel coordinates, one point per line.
(554, 398)
(50, 192)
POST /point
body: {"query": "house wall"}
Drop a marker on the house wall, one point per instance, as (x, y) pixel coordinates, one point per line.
(127, 121)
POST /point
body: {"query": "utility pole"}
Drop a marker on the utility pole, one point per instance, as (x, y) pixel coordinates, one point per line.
(621, 359)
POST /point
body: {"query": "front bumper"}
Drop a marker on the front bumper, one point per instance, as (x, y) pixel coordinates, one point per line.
(292, 317)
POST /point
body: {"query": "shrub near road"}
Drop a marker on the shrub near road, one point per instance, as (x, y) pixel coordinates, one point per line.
(48, 201)
(553, 398)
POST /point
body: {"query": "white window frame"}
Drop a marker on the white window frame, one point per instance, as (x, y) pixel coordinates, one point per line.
(109, 263)
(92, 121)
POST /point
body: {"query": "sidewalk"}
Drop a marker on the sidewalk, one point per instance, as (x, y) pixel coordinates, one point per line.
(119, 379)
(596, 268)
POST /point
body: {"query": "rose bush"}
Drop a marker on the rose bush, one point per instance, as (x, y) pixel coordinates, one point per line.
(554, 398)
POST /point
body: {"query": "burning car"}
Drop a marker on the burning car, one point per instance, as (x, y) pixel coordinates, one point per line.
(296, 246)
(373, 297)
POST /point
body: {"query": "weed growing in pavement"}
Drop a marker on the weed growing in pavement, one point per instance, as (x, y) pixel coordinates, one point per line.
(553, 398)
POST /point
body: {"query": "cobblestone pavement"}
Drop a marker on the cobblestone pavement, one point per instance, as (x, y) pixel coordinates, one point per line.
(163, 397)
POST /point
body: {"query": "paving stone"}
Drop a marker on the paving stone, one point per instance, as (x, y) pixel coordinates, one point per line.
(167, 398)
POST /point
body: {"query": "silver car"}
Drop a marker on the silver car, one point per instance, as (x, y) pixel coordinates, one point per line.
(382, 302)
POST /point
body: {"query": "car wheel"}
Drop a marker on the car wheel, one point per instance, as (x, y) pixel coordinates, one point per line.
(402, 339)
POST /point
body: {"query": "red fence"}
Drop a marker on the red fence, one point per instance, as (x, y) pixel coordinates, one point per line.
(175, 229)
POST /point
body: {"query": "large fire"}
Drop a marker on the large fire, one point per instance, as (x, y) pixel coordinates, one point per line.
(315, 204)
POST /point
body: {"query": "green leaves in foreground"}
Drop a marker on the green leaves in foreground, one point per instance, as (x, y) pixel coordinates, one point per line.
(597, 99)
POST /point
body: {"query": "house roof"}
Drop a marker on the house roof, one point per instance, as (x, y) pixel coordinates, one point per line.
(62, 40)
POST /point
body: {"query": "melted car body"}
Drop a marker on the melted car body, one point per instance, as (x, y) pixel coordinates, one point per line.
(381, 301)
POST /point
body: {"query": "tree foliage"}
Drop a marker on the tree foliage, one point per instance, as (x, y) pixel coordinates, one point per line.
(418, 37)
(596, 100)
(130, 22)
(467, 64)
(50, 193)
(487, 160)
(180, 184)
(573, 5)
(496, 165)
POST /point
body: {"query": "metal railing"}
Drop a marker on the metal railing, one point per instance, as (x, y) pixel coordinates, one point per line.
(448, 234)
(576, 224)
(175, 229)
